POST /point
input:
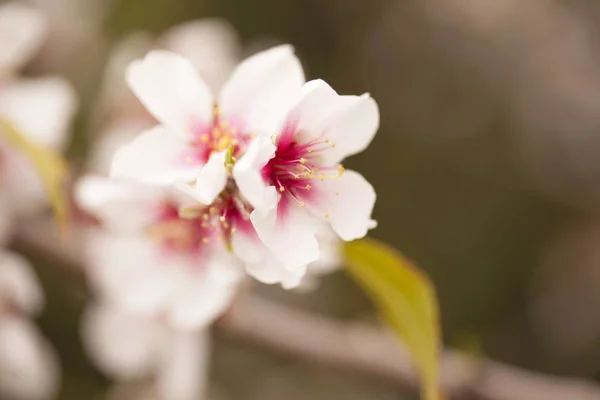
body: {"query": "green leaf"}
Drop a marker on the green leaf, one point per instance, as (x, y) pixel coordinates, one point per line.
(51, 168)
(406, 299)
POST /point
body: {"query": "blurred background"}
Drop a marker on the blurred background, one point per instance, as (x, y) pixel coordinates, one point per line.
(487, 169)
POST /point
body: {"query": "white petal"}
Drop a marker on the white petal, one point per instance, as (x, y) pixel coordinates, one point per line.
(121, 206)
(29, 367)
(121, 344)
(247, 174)
(211, 44)
(349, 122)
(272, 271)
(212, 179)
(351, 128)
(156, 156)
(19, 285)
(206, 291)
(185, 371)
(289, 234)
(307, 118)
(171, 89)
(261, 263)
(22, 30)
(130, 272)
(110, 140)
(330, 260)
(42, 109)
(262, 89)
(346, 203)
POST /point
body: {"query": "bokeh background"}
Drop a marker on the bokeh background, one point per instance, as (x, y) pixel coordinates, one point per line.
(487, 168)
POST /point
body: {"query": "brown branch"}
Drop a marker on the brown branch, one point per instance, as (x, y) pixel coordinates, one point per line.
(342, 344)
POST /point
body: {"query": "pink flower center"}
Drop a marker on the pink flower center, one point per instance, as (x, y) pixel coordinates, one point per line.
(177, 234)
(191, 230)
(295, 166)
(216, 137)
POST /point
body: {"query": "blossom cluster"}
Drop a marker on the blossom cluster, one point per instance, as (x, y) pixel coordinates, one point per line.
(245, 179)
(220, 172)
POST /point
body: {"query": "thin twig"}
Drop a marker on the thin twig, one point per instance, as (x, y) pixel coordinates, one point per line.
(367, 349)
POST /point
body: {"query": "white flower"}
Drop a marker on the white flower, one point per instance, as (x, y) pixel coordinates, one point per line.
(39, 108)
(198, 127)
(150, 260)
(128, 347)
(211, 45)
(29, 368)
(301, 163)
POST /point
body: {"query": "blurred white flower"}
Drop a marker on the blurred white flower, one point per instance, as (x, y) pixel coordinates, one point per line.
(29, 368)
(39, 108)
(295, 177)
(150, 260)
(129, 348)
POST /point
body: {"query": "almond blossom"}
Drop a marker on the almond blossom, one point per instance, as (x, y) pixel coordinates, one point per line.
(211, 45)
(198, 128)
(151, 261)
(200, 138)
(41, 109)
(295, 177)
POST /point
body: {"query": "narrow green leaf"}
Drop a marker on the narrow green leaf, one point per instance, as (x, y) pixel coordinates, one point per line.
(51, 168)
(407, 301)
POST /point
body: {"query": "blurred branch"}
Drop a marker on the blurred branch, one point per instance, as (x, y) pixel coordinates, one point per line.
(366, 349)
